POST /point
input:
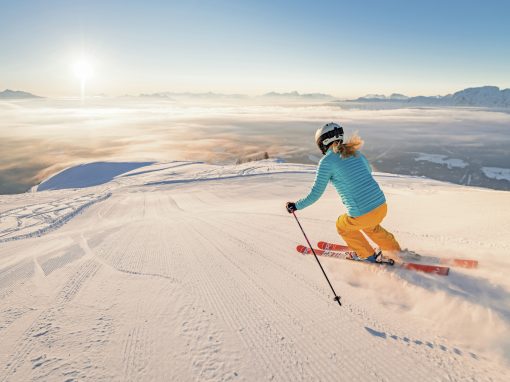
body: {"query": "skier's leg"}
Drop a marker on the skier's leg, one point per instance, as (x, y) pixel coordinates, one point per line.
(384, 239)
(348, 228)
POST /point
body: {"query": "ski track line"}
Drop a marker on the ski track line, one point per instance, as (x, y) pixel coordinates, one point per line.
(40, 203)
(200, 287)
(249, 244)
(291, 317)
(134, 353)
(57, 222)
(427, 356)
(131, 250)
(50, 263)
(420, 350)
(34, 210)
(120, 261)
(206, 361)
(244, 317)
(103, 209)
(96, 238)
(272, 248)
(273, 260)
(115, 207)
(287, 351)
(11, 314)
(136, 350)
(15, 275)
(270, 301)
(145, 261)
(42, 324)
(280, 231)
(136, 347)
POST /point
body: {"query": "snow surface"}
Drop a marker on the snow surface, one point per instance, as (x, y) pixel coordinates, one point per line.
(497, 173)
(442, 160)
(186, 271)
(89, 174)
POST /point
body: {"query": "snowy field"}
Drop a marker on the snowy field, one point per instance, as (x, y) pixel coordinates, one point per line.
(497, 173)
(185, 271)
(442, 160)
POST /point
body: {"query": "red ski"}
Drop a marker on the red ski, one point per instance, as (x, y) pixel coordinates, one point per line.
(436, 269)
(463, 263)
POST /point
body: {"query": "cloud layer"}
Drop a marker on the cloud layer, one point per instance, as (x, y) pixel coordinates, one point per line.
(38, 138)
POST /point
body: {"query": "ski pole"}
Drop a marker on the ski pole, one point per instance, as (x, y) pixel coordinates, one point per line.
(337, 298)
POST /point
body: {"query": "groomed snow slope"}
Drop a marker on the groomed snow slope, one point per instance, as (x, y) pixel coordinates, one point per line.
(185, 271)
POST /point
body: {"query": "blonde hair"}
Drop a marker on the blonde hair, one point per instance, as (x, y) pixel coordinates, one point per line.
(348, 148)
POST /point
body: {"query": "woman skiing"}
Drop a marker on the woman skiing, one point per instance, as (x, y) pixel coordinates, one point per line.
(351, 174)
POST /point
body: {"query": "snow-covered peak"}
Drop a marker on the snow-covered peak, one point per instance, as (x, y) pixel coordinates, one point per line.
(16, 94)
(296, 95)
(481, 96)
(382, 97)
(484, 96)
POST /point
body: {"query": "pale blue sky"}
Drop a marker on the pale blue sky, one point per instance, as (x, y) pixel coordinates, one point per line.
(345, 48)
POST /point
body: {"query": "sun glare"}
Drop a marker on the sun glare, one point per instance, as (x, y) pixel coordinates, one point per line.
(83, 70)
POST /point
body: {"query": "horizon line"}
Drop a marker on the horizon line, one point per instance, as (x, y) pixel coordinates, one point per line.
(247, 95)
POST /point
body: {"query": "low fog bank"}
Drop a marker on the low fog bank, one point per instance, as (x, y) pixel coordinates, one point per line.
(41, 137)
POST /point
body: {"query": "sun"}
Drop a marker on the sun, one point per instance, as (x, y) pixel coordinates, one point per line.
(83, 70)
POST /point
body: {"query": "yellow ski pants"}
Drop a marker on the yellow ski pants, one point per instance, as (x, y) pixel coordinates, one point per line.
(351, 231)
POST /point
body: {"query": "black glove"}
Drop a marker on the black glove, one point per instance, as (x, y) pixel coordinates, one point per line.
(291, 207)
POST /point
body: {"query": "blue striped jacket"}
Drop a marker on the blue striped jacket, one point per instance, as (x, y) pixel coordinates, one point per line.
(353, 180)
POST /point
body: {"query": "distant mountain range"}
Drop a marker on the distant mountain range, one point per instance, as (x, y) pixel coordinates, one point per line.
(209, 95)
(296, 95)
(484, 96)
(16, 94)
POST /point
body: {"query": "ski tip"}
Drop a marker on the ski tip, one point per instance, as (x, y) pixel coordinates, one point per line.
(331, 246)
(465, 263)
(461, 263)
(302, 249)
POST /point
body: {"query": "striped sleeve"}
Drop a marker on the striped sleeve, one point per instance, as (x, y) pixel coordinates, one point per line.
(365, 161)
(321, 181)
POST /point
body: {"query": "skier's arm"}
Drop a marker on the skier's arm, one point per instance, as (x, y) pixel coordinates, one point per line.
(321, 181)
(367, 164)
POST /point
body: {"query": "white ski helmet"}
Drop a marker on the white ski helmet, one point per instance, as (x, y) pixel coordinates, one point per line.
(328, 134)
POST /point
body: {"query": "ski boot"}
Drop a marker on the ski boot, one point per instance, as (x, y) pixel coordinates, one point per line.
(377, 257)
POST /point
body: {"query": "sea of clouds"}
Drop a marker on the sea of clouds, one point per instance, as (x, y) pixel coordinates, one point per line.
(41, 137)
